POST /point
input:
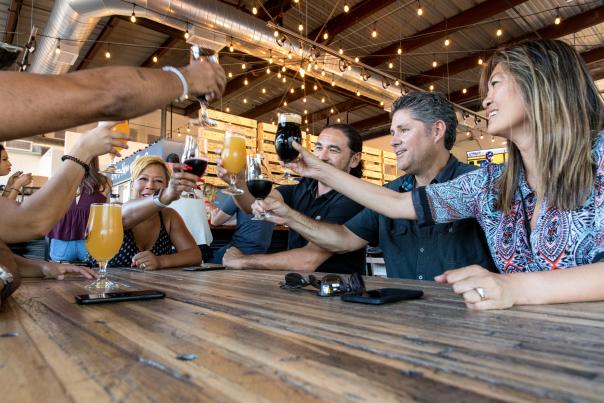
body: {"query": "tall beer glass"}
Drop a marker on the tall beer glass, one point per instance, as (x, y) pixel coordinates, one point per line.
(104, 237)
(288, 131)
(233, 160)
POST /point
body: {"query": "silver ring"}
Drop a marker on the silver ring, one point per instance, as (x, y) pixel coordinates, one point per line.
(480, 292)
(143, 266)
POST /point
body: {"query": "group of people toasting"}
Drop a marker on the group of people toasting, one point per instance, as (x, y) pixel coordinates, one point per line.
(527, 232)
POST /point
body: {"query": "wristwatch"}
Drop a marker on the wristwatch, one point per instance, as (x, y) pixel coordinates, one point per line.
(7, 278)
(156, 199)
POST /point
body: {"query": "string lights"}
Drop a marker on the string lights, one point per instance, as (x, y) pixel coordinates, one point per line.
(420, 11)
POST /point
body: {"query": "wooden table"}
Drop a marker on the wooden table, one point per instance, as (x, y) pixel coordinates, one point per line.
(257, 342)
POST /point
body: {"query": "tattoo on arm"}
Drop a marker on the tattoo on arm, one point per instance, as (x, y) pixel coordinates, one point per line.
(141, 75)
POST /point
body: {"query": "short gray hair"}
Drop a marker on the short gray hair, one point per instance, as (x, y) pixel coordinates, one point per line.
(428, 107)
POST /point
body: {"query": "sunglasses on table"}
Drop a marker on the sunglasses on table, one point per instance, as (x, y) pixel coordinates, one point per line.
(330, 285)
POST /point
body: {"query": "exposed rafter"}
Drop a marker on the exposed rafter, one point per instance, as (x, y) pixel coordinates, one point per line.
(12, 20)
(442, 29)
(98, 44)
(571, 25)
(343, 21)
(346, 106)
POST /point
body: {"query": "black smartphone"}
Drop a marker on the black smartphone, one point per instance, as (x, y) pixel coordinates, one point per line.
(118, 296)
(205, 267)
(383, 296)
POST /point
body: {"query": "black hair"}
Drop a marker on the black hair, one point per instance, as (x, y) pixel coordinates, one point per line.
(355, 143)
(173, 158)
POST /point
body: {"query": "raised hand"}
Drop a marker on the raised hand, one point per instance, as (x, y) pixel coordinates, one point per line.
(180, 182)
(278, 211)
(307, 164)
(205, 78)
(98, 141)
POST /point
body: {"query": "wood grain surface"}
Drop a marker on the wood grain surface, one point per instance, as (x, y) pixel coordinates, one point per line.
(257, 342)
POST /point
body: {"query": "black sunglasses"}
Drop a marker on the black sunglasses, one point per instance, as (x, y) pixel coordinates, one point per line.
(330, 285)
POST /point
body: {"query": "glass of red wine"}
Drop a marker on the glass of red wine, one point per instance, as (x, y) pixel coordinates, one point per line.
(193, 159)
(259, 180)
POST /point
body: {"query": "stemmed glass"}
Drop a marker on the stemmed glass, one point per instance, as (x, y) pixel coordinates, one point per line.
(124, 128)
(233, 160)
(104, 237)
(258, 180)
(194, 160)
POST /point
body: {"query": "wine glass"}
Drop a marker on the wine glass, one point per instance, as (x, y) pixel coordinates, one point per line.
(288, 131)
(258, 180)
(124, 128)
(233, 160)
(193, 159)
(104, 237)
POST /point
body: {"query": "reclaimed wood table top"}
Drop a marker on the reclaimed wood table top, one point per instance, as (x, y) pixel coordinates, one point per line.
(252, 341)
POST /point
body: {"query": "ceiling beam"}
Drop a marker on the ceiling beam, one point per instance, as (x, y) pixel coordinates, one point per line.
(444, 28)
(374, 121)
(276, 9)
(12, 20)
(161, 51)
(343, 21)
(98, 44)
(276, 102)
(568, 26)
(346, 106)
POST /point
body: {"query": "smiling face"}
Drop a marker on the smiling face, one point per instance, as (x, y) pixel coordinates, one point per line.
(150, 180)
(5, 165)
(504, 105)
(332, 148)
(412, 142)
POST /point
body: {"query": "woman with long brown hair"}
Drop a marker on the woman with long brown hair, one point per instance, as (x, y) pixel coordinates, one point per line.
(67, 238)
(542, 212)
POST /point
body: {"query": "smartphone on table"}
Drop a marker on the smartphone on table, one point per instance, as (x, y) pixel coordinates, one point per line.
(118, 296)
(383, 296)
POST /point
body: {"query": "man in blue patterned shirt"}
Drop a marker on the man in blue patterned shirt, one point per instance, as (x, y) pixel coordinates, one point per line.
(423, 132)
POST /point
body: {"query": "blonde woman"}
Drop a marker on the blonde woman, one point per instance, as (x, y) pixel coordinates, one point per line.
(155, 237)
(543, 212)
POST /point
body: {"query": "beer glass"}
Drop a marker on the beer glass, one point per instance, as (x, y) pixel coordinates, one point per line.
(288, 131)
(104, 237)
(233, 160)
(124, 128)
(258, 180)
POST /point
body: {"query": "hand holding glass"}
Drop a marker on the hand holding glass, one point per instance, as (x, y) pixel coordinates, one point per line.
(258, 180)
(233, 160)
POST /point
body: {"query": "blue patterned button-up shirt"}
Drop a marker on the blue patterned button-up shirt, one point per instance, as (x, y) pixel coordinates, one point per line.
(560, 239)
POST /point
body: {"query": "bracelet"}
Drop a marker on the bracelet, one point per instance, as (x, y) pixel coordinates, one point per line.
(9, 189)
(183, 81)
(77, 161)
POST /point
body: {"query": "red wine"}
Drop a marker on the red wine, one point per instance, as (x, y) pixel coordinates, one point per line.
(196, 166)
(259, 188)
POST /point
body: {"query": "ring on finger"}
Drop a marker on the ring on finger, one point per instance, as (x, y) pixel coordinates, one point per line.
(481, 293)
(143, 266)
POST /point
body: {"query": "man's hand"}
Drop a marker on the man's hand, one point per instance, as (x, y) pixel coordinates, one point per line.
(180, 181)
(226, 177)
(58, 270)
(307, 164)
(233, 259)
(278, 212)
(205, 79)
(98, 141)
(480, 288)
(146, 261)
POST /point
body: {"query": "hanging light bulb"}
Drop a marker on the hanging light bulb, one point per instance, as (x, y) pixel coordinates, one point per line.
(397, 83)
(358, 93)
(243, 66)
(431, 87)
(468, 134)
(434, 64)
(245, 82)
(381, 103)
(333, 83)
(254, 10)
(275, 33)
(331, 110)
(302, 71)
(420, 11)
(302, 86)
(188, 129)
(349, 67)
(480, 61)
(231, 48)
(284, 80)
(289, 55)
(464, 91)
(268, 70)
(558, 19)
(499, 32)
(305, 111)
(304, 99)
(325, 35)
(291, 90)
(155, 59)
(447, 42)
(374, 33)
(300, 27)
(492, 139)
(323, 73)
(390, 65)
(230, 75)
(108, 54)
(339, 120)
(228, 109)
(279, 74)
(270, 56)
(245, 100)
(58, 48)
(284, 103)
(399, 51)
(356, 59)
(187, 33)
(283, 69)
(133, 16)
(341, 51)
(314, 87)
(346, 7)
(322, 99)
(481, 136)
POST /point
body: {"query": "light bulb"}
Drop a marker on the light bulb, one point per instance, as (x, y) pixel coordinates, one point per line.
(276, 33)
(374, 33)
(434, 64)
(291, 90)
(558, 20)
(346, 7)
(447, 42)
(480, 60)
(339, 120)
(155, 59)
(284, 80)
(187, 35)
(305, 111)
(228, 109)
(133, 17)
(325, 36)
(499, 32)
(431, 87)
(231, 48)
(314, 87)
(397, 83)
(322, 99)
(341, 51)
(300, 27)
(302, 86)
(304, 99)
(243, 66)
(289, 55)
(420, 11)
(331, 110)
(390, 65)
(268, 70)
(245, 100)
(399, 51)
(302, 72)
(254, 10)
(333, 83)
(283, 69)
(381, 103)
(358, 93)
(108, 55)
(245, 82)
(279, 74)
(464, 91)
(230, 75)
(284, 103)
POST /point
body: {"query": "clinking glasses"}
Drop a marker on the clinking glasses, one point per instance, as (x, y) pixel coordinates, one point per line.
(330, 285)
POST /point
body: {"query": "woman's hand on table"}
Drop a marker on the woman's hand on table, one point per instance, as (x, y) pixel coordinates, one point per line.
(481, 289)
(146, 261)
(59, 270)
(233, 259)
